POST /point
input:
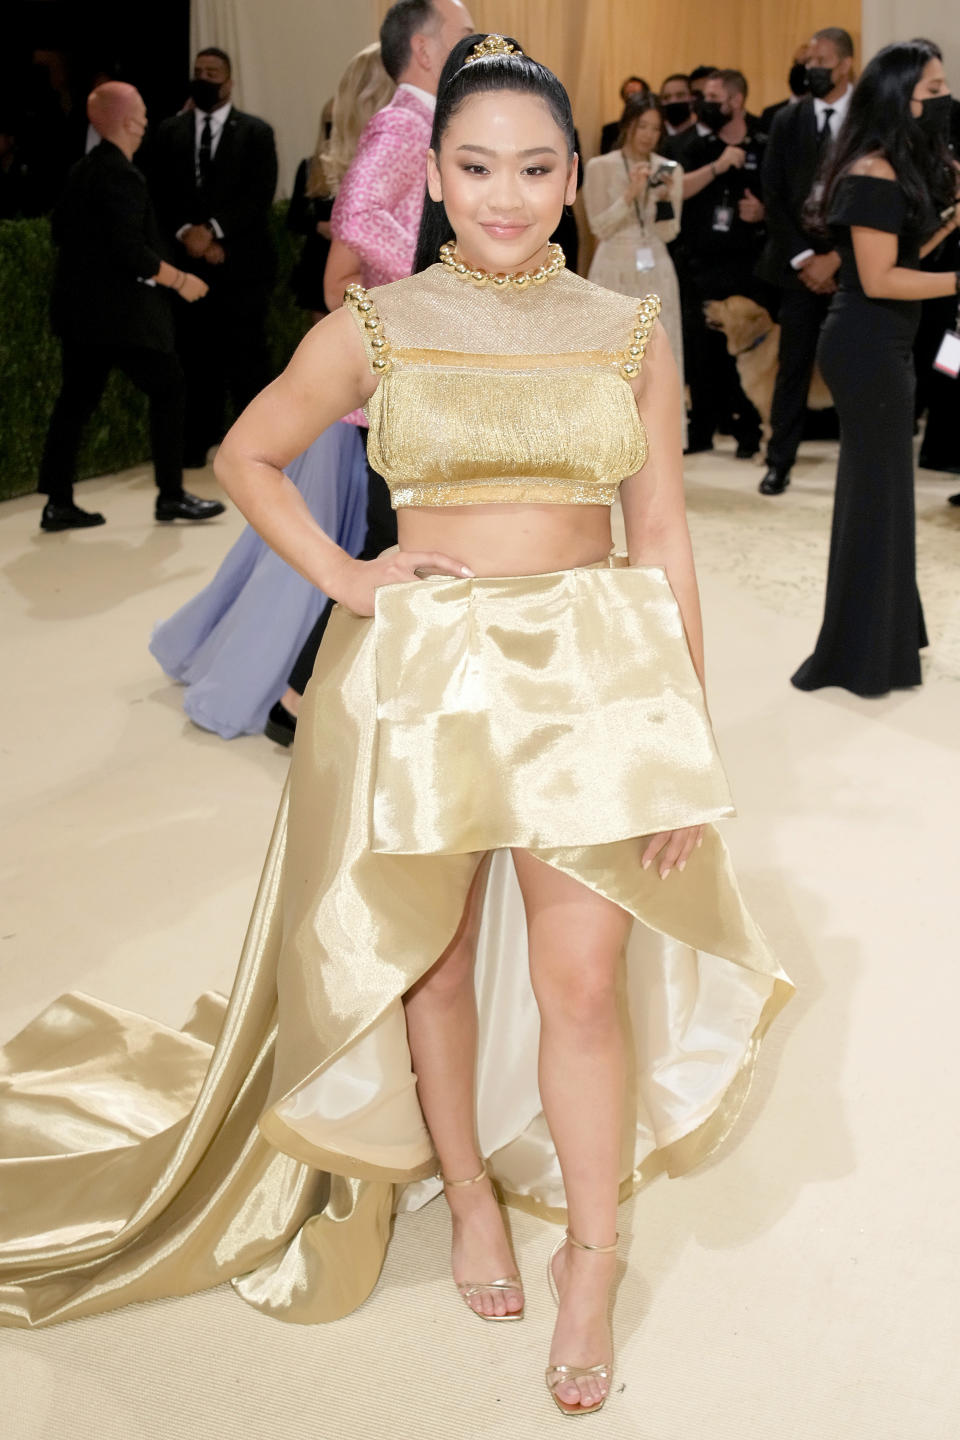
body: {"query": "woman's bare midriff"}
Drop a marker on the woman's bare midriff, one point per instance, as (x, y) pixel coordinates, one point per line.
(510, 539)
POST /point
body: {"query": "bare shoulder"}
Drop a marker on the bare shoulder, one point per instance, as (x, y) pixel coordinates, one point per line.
(875, 166)
(659, 368)
(335, 343)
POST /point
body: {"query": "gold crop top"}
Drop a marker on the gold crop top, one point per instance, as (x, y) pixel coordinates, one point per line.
(503, 394)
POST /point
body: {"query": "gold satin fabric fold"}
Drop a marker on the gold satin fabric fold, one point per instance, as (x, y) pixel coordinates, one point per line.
(138, 1161)
(562, 704)
(131, 1166)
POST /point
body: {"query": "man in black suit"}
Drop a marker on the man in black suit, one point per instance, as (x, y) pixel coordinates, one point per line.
(213, 172)
(111, 312)
(937, 392)
(801, 263)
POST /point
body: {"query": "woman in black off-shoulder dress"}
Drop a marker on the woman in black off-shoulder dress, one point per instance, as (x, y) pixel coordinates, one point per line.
(885, 189)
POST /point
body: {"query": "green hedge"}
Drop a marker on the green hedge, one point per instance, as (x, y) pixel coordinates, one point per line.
(30, 361)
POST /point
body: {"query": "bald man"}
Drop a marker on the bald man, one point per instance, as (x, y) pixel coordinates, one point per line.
(111, 310)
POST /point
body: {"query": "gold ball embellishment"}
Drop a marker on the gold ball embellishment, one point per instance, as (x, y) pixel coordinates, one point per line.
(520, 280)
(378, 342)
(380, 363)
(629, 369)
(364, 306)
(372, 323)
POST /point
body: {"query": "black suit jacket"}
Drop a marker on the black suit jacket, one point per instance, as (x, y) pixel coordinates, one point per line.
(109, 241)
(789, 170)
(239, 196)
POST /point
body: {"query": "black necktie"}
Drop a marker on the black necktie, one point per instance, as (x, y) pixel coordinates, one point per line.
(206, 153)
(823, 135)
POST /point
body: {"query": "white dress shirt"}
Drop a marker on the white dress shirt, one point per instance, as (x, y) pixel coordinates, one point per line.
(218, 118)
(839, 108)
(820, 107)
(429, 100)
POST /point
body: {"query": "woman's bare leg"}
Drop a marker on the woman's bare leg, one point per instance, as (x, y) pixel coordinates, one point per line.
(576, 941)
(441, 1011)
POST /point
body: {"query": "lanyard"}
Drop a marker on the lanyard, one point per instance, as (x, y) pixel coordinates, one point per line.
(636, 204)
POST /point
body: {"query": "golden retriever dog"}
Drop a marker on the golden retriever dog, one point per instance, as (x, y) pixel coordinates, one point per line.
(754, 341)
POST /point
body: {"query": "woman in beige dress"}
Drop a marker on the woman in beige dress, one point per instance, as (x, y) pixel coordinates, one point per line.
(633, 198)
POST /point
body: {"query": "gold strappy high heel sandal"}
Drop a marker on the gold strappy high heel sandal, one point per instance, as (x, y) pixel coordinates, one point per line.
(470, 1288)
(564, 1374)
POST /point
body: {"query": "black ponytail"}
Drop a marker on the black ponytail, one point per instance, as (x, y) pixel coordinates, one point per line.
(879, 120)
(458, 82)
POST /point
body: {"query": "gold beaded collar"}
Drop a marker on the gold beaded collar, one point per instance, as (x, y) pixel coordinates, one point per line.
(556, 261)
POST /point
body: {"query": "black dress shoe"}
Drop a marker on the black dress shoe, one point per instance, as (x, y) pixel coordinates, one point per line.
(281, 726)
(954, 499)
(186, 507)
(774, 482)
(746, 449)
(698, 447)
(69, 517)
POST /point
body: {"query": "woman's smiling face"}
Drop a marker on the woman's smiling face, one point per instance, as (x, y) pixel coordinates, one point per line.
(504, 175)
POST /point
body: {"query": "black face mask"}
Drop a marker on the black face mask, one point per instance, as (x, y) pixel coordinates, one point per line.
(677, 112)
(820, 81)
(205, 94)
(935, 116)
(797, 79)
(712, 114)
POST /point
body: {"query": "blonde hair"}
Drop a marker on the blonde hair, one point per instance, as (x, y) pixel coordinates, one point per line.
(365, 87)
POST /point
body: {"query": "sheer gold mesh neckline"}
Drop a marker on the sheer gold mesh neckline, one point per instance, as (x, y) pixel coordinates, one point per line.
(569, 322)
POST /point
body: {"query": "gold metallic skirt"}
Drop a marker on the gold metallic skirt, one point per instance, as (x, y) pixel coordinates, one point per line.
(269, 1142)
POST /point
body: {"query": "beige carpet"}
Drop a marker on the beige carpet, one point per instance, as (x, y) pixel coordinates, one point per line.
(801, 1285)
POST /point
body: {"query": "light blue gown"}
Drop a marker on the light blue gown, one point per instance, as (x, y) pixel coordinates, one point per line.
(233, 645)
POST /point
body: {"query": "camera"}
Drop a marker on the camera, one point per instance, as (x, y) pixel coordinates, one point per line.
(663, 172)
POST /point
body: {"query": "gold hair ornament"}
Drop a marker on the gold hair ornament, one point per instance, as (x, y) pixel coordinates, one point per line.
(522, 280)
(493, 45)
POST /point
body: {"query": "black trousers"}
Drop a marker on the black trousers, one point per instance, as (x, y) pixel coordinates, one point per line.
(938, 394)
(222, 344)
(381, 534)
(801, 315)
(716, 395)
(86, 369)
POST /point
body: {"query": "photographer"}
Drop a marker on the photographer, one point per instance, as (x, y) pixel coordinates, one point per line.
(633, 198)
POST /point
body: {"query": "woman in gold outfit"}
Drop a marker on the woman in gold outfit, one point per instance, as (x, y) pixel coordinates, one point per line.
(504, 752)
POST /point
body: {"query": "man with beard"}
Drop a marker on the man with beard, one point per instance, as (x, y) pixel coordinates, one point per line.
(722, 232)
